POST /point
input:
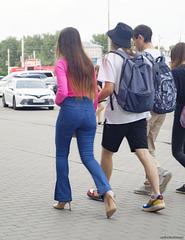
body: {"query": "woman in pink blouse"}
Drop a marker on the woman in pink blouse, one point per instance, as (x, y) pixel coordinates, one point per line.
(77, 91)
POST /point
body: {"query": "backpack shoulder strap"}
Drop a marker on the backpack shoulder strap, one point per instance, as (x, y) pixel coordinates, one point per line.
(123, 55)
(160, 58)
(149, 56)
(120, 53)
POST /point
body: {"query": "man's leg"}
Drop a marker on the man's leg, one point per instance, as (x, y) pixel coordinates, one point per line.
(106, 162)
(113, 135)
(156, 202)
(107, 166)
(153, 128)
(150, 168)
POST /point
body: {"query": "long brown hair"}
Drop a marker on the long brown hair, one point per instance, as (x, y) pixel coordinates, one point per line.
(178, 55)
(128, 51)
(80, 69)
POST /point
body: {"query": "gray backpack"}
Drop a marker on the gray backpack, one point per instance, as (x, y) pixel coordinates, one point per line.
(136, 88)
(165, 89)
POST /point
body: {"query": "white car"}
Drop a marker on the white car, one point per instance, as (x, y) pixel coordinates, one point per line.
(27, 92)
(5, 79)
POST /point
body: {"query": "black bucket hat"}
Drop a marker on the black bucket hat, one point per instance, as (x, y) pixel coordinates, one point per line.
(121, 35)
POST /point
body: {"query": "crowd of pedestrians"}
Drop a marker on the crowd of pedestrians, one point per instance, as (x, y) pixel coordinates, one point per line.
(79, 95)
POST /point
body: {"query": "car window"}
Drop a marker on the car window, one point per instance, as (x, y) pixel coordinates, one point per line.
(30, 84)
(40, 76)
(48, 74)
(6, 78)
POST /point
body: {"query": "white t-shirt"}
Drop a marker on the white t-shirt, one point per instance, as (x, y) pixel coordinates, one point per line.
(110, 71)
(154, 52)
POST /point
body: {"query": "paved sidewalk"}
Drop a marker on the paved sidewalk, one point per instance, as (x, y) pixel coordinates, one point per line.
(27, 179)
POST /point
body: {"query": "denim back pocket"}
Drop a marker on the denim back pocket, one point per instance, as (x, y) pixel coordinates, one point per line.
(91, 116)
(68, 115)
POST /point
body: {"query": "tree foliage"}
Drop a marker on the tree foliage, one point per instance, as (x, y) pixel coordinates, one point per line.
(42, 46)
(13, 44)
(101, 39)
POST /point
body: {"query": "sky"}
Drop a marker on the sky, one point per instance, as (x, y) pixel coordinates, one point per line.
(27, 18)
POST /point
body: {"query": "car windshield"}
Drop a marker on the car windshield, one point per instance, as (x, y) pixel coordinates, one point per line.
(40, 76)
(30, 84)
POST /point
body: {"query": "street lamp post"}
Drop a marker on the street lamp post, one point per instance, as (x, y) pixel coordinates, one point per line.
(8, 61)
(22, 57)
(109, 41)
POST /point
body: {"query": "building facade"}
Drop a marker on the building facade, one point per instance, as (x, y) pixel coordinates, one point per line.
(94, 52)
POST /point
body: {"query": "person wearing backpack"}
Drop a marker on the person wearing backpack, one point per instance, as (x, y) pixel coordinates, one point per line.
(120, 123)
(142, 40)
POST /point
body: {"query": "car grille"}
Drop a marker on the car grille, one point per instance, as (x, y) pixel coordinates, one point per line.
(37, 96)
(30, 102)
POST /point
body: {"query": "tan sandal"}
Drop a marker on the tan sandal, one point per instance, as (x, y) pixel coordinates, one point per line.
(110, 205)
(61, 205)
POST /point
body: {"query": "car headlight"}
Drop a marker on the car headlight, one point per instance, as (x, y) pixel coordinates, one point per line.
(52, 93)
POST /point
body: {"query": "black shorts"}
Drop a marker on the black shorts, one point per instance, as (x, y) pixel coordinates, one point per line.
(135, 133)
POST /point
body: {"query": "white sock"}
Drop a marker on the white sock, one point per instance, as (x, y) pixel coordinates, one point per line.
(155, 196)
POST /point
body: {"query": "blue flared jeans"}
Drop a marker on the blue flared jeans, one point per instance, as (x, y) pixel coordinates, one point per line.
(76, 115)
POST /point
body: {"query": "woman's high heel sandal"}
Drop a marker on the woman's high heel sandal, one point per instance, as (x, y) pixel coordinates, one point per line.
(61, 205)
(110, 206)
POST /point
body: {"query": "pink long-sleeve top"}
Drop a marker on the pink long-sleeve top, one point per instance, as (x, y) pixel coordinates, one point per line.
(64, 89)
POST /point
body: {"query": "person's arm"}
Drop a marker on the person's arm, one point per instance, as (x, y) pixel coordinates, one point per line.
(107, 90)
(99, 88)
(176, 78)
(62, 92)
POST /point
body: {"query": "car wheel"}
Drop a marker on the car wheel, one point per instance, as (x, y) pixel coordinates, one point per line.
(14, 103)
(4, 102)
(51, 108)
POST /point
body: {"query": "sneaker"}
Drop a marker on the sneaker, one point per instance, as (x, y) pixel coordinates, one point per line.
(144, 190)
(181, 189)
(164, 178)
(154, 205)
(93, 194)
